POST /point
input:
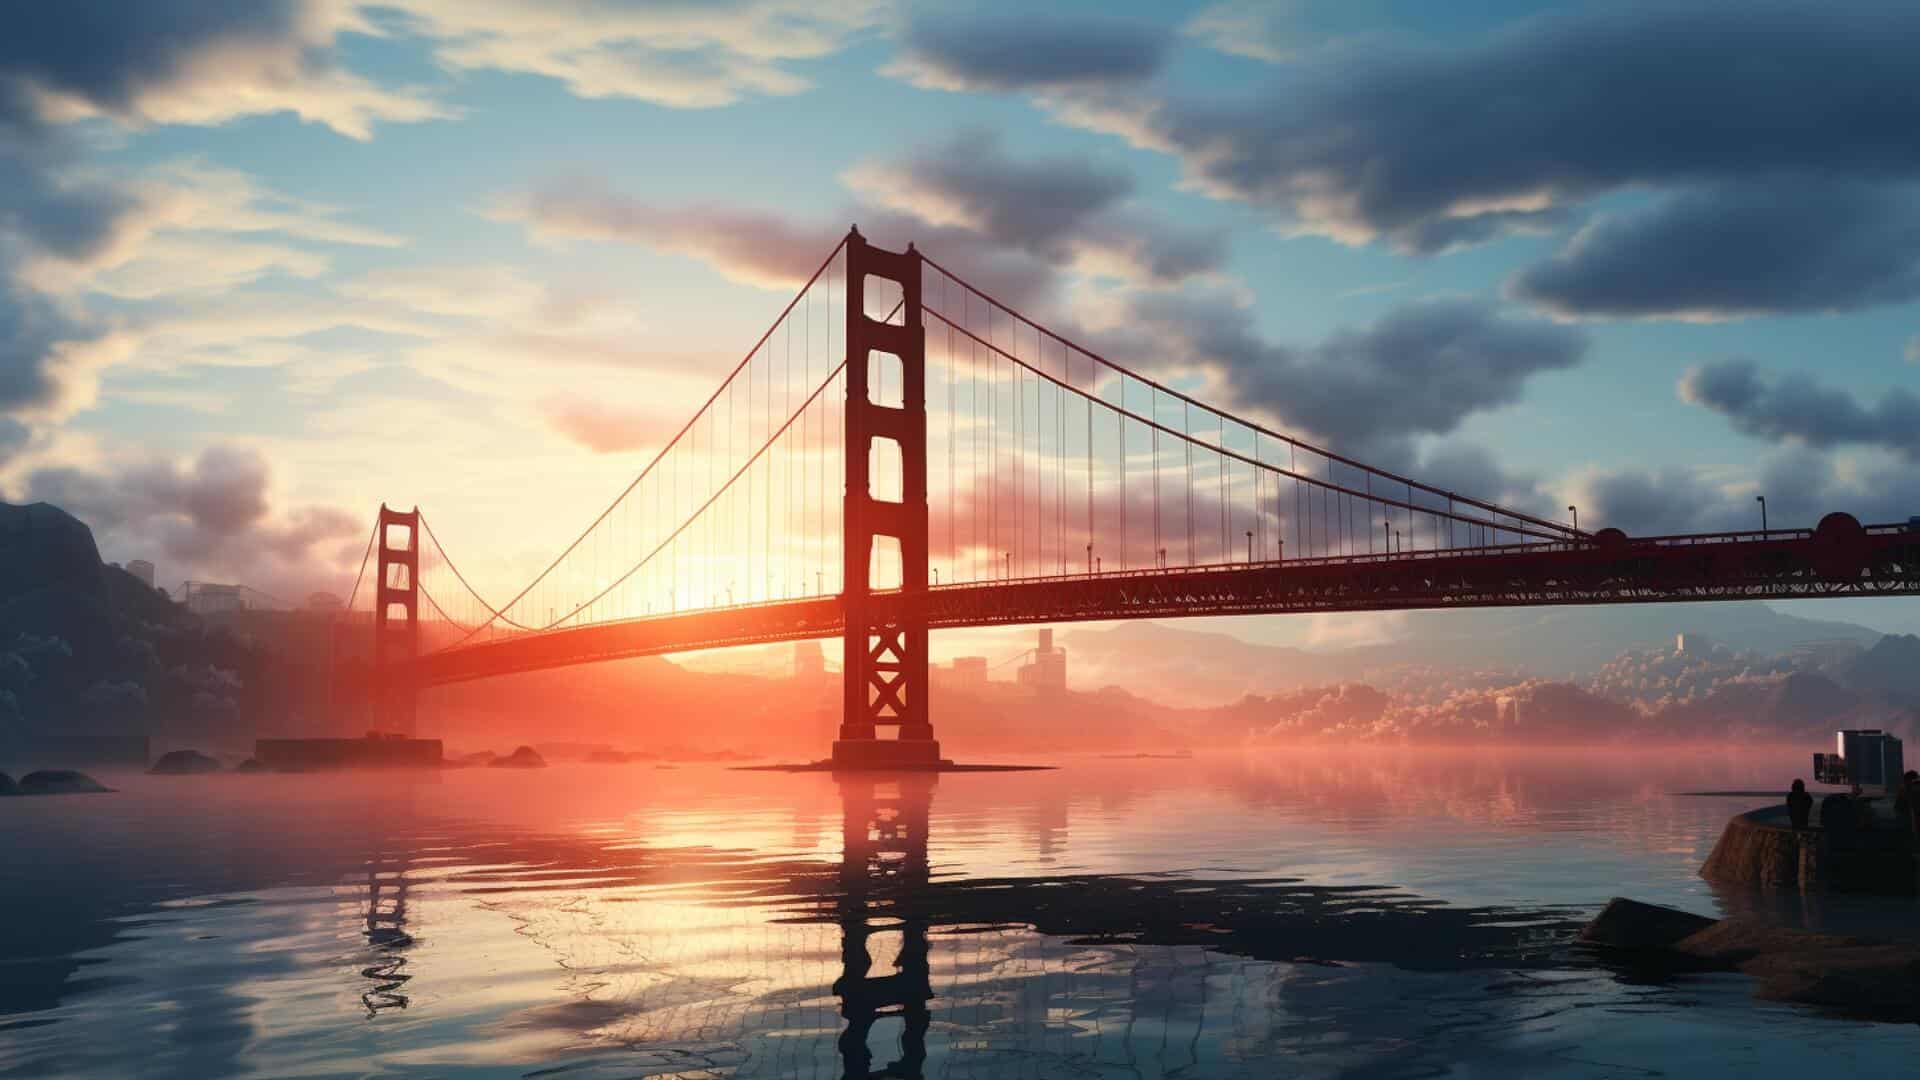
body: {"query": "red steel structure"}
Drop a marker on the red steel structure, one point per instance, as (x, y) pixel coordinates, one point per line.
(991, 472)
(884, 665)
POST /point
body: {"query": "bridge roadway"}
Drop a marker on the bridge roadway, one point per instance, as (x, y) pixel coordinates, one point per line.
(1840, 558)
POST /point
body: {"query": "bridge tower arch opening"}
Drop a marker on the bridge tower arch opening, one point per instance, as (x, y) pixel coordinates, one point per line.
(884, 662)
(396, 622)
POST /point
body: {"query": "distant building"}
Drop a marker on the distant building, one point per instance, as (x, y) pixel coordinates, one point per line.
(1693, 644)
(204, 598)
(143, 570)
(809, 660)
(324, 601)
(1048, 671)
(969, 672)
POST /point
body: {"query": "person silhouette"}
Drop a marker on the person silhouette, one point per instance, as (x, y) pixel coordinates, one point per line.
(1837, 819)
(1799, 804)
(1906, 804)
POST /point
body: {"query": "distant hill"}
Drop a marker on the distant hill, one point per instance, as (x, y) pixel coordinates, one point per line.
(52, 583)
(1573, 641)
(1172, 663)
(88, 648)
(1890, 667)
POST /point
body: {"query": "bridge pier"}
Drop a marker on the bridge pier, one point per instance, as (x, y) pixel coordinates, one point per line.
(884, 657)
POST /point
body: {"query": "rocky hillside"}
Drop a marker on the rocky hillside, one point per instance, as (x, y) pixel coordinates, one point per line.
(87, 647)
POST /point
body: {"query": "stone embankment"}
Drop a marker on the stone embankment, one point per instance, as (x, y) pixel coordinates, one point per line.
(1761, 848)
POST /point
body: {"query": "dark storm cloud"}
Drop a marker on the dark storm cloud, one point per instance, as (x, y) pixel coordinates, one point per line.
(1797, 408)
(1434, 146)
(970, 177)
(36, 374)
(1421, 370)
(108, 52)
(1027, 52)
(14, 437)
(1742, 249)
(1062, 208)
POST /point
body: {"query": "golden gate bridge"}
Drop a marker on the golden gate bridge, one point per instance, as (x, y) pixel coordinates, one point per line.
(902, 452)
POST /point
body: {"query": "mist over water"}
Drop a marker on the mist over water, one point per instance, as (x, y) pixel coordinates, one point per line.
(1366, 912)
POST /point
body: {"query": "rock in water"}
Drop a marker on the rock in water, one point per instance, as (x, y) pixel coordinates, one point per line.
(1630, 924)
(59, 782)
(522, 758)
(1859, 976)
(183, 763)
(251, 765)
(7, 786)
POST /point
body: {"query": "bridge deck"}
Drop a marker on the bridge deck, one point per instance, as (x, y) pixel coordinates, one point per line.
(1781, 564)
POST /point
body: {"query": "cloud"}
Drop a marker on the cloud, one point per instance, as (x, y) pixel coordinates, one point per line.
(1010, 225)
(65, 230)
(755, 248)
(1755, 248)
(1430, 146)
(1797, 408)
(978, 51)
(610, 429)
(761, 248)
(50, 358)
(682, 55)
(211, 516)
(970, 182)
(1420, 370)
(1269, 30)
(14, 437)
(192, 62)
(1065, 209)
(1801, 486)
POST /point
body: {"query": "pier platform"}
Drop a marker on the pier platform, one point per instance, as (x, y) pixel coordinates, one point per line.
(374, 751)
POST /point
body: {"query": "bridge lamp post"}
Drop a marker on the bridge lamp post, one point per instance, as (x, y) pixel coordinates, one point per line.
(1249, 547)
(1009, 564)
(1089, 558)
(1575, 511)
(936, 576)
(1762, 500)
(1386, 530)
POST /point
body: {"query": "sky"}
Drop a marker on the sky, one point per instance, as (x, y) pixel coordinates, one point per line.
(265, 264)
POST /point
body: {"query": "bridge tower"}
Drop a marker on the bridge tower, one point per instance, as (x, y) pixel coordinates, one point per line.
(884, 669)
(396, 621)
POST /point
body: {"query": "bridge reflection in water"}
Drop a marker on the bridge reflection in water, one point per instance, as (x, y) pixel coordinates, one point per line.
(884, 875)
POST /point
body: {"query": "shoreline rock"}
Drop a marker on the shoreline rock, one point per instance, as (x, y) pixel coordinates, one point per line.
(183, 763)
(523, 757)
(1862, 977)
(59, 782)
